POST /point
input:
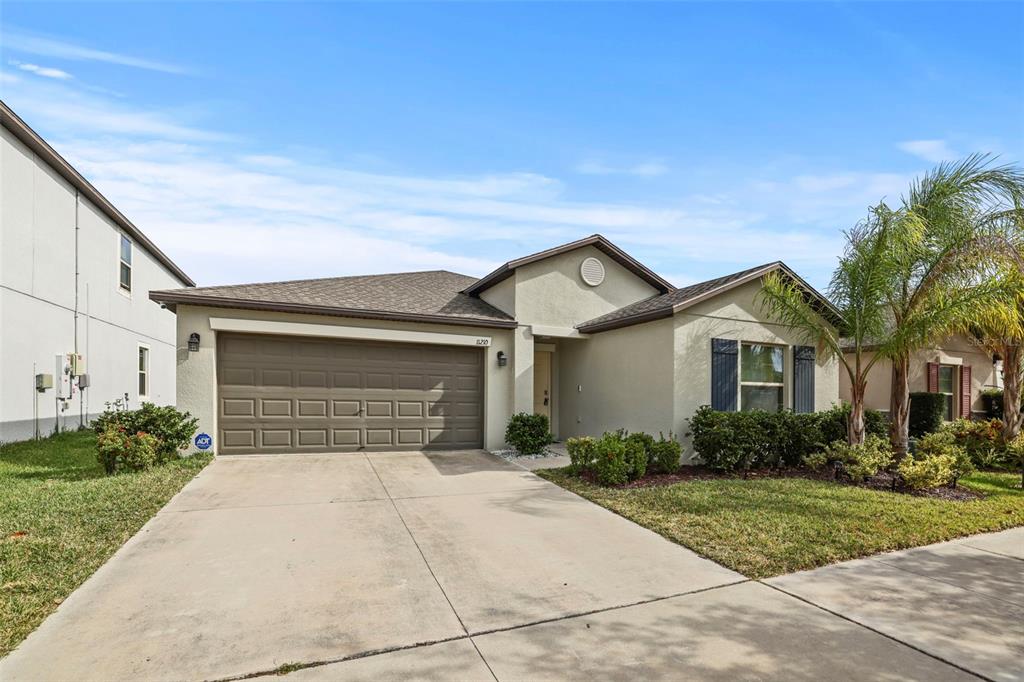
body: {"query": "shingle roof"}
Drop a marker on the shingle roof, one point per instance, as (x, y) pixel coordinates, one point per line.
(596, 240)
(431, 296)
(666, 305)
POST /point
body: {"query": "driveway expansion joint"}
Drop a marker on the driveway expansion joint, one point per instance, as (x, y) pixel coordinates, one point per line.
(848, 619)
(479, 633)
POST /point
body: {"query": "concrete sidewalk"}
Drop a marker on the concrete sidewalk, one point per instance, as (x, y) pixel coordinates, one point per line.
(463, 566)
(960, 601)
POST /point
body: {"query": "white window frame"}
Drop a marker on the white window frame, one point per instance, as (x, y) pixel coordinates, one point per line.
(126, 291)
(741, 383)
(954, 404)
(144, 372)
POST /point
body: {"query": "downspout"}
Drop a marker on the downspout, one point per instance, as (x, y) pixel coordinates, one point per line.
(81, 407)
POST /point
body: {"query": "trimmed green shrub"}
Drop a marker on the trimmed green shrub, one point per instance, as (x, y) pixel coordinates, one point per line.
(981, 439)
(172, 428)
(926, 413)
(731, 441)
(528, 433)
(858, 462)
(944, 444)
(636, 457)
(992, 400)
(582, 451)
(833, 423)
(118, 450)
(610, 465)
(924, 472)
(663, 457)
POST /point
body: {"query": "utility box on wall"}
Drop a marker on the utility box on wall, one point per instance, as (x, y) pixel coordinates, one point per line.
(62, 376)
(44, 382)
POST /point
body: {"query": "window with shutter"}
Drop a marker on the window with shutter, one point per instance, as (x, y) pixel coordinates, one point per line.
(803, 378)
(965, 391)
(724, 374)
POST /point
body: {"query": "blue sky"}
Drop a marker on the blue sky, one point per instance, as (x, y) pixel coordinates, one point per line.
(259, 141)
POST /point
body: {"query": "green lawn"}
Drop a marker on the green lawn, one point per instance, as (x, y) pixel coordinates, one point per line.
(61, 518)
(767, 527)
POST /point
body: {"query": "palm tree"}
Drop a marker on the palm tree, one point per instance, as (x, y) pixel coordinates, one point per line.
(943, 239)
(1000, 328)
(858, 290)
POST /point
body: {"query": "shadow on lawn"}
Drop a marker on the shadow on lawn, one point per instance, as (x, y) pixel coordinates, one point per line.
(68, 456)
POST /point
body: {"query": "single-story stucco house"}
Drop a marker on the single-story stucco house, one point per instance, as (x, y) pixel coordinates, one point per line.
(582, 332)
(957, 367)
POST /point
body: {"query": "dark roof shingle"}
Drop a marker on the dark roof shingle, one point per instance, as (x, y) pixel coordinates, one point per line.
(434, 295)
(667, 304)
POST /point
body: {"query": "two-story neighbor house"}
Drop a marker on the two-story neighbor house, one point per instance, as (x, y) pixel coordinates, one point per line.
(582, 332)
(75, 275)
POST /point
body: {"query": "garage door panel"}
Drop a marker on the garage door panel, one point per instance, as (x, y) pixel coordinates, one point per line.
(379, 437)
(311, 379)
(278, 394)
(410, 409)
(238, 407)
(346, 408)
(281, 378)
(347, 380)
(238, 438)
(276, 438)
(275, 407)
(378, 380)
(312, 408)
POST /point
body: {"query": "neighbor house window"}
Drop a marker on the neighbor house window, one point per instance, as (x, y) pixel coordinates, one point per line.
(126, 263)
(762, 382)
(947, 380)
(143, 372)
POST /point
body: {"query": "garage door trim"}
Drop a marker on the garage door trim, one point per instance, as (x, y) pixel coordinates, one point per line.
(250, 326)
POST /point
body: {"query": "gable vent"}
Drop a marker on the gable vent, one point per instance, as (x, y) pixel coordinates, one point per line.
(592, 271)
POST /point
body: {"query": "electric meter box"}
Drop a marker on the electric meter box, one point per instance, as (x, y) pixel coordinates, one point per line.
(62, 377)
(77, 362)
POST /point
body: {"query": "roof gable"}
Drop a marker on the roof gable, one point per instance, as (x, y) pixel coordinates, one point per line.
(670, 303)
(595, 240)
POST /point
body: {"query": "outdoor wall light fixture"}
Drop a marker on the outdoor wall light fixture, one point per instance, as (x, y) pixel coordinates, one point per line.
(502, 358)
(193, 342)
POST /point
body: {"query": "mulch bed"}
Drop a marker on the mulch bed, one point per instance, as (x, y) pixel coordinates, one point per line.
(882, 481)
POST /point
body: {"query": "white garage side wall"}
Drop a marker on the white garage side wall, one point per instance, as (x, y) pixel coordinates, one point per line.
(37, 301)
(734, 315)
(621, 378)
(197, 371)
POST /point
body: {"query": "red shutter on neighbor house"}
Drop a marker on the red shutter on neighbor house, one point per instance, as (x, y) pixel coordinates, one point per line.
(933, 377)
(965, 391)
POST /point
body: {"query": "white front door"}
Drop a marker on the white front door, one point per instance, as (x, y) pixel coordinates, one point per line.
(542, 383)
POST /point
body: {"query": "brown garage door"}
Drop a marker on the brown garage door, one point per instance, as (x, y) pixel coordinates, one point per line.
(297, 394)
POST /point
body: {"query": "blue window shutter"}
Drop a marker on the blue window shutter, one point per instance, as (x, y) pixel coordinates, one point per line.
(724, 374)
(803, 378)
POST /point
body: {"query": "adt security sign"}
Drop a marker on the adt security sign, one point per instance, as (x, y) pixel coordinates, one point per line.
(204, 441)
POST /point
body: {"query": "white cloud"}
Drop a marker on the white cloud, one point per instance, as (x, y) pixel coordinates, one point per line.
(16, 40)
(44, 71)
(645, 169)
(929, 150)
(229, 211)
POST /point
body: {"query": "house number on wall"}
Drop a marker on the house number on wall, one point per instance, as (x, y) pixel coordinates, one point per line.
(483, 342)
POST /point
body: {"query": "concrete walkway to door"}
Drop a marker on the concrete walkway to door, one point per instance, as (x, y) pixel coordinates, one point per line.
(441, 566)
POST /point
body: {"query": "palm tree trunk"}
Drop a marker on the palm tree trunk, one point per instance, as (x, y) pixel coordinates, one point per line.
(855, 427)
(899, 407)
(1013, 355)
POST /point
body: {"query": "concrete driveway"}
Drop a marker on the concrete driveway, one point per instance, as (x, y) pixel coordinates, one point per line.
(441, 566)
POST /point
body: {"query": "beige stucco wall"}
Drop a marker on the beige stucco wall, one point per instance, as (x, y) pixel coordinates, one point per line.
(552, 293)
(621, 378)
(733, 315)
(956, 350)
(197, 379)
(502, 295)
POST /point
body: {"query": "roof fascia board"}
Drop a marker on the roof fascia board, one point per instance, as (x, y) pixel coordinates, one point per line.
(183, 298)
